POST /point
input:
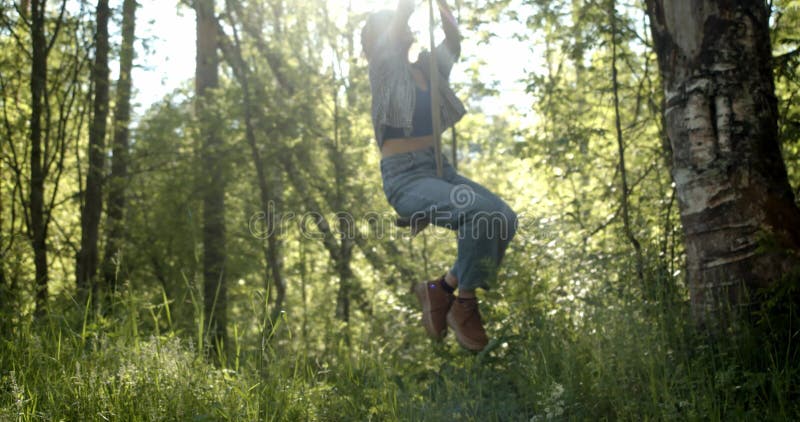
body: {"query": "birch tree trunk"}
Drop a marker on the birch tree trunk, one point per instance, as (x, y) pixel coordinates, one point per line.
(741, 225)
(212, 184)
(90, 214)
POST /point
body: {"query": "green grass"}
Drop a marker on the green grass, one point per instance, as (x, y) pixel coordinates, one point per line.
(611, 360)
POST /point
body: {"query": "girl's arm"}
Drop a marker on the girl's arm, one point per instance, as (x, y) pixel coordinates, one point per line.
(401, 16)
(448, 51)
(384, 41)
(450, 25)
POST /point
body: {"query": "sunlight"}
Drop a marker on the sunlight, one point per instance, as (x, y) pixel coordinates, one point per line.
(167, 61)
(210, 231)
(505, 59)
(418, 23)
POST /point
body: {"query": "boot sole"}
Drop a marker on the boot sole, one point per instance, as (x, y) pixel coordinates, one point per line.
(462, 341)
(421, 291)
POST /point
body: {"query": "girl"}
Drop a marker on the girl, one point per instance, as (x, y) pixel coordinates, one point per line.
(403, 123)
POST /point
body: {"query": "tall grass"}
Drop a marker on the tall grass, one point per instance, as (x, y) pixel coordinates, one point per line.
(616, 358)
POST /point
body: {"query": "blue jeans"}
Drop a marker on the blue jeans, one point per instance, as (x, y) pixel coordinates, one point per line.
(484, 223)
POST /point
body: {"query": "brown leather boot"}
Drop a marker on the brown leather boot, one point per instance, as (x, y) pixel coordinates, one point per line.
(465, 320)
(435, 304)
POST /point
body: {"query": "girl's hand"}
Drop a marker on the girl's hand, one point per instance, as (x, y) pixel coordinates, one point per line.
(446, 14)
(405, 7)
(450, 26)
(443, 7)
(400, 21)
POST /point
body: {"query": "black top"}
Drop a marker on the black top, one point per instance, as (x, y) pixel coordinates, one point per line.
(422, 120)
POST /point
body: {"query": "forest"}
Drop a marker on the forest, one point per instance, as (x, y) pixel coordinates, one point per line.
(226, 251)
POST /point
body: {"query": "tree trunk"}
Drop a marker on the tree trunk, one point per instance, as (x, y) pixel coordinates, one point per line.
(38, 227)
(274, 253)
(4, 302)
(346, 227)
(212, 184)
(342, 134)
(339, 254)
(741, 225)
(119, 160)
(345, 252)
(24, 6)
(93, 205)
(270, 195)
(5, 292)
(624, 191)
(345, 276)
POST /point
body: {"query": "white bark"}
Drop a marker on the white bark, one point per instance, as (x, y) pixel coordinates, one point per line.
(721, 119)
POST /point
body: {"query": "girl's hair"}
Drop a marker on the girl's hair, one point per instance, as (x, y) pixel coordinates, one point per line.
(375, 26)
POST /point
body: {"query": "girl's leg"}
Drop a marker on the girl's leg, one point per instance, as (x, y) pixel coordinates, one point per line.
(484, 223)
(484, 240)
(451, 279)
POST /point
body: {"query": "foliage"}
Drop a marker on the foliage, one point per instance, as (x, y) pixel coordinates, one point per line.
(786, 45)
(575, 334)
(612, 359)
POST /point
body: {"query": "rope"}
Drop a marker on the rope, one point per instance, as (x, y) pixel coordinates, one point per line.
(417, 225)
(454, 142)
(435, 100)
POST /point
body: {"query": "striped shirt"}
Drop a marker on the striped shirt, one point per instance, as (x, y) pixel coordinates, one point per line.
(394, 89)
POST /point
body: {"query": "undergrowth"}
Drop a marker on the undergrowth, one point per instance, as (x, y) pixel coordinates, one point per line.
(612, 358)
